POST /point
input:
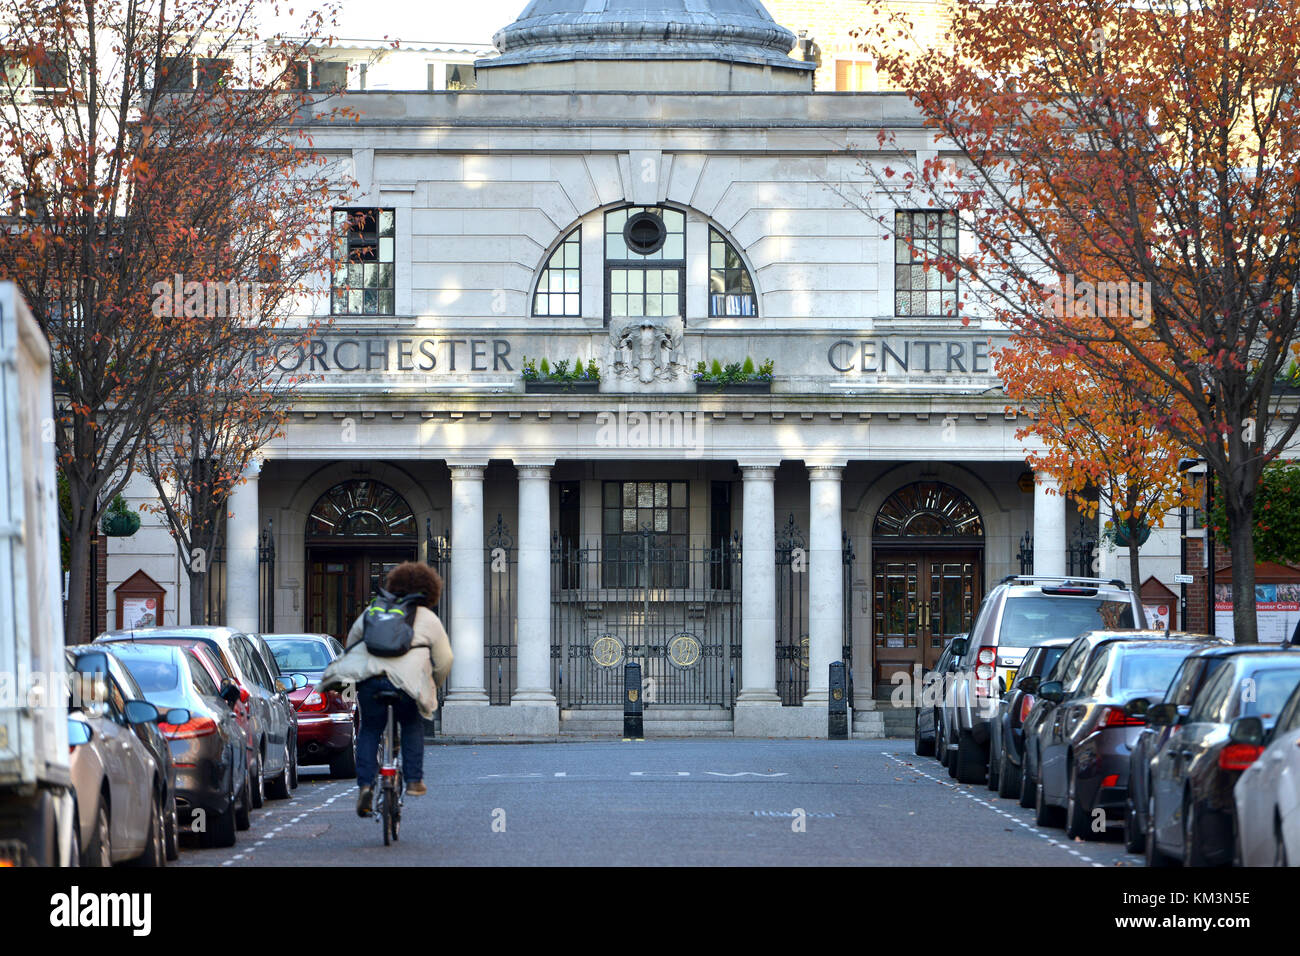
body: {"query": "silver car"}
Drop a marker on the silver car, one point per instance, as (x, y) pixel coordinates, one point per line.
(1267, 795)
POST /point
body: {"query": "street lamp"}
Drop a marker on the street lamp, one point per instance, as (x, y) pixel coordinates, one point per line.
(1186, 464)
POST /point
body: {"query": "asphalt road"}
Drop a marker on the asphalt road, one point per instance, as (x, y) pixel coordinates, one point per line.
(666, 803)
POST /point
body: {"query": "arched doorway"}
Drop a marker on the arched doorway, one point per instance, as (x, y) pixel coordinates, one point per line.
(927, 562)
(357, 531)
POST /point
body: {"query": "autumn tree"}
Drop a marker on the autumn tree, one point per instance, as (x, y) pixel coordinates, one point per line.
(1131, 153)
(142, 142)
(1100, 440)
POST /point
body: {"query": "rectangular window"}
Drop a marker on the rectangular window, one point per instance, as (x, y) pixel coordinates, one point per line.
(329, 75)
(921, 239)
(295, 75)
(855, 76)
(210, 73)
(363, 280)
(460, 76)
(568, 528)
(720, 543)
(644, 534)
(650, 280)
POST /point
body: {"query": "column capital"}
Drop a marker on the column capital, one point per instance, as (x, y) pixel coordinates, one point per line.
(470, 472)
(765, 472)
(821, 472)
(533, 470)
(253, 468)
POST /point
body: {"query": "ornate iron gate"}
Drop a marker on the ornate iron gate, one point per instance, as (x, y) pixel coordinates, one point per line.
(676, 610)
(791, 614)
(266, 581)
(500, 645)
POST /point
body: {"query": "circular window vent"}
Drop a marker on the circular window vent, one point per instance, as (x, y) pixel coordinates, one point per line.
(645, 233)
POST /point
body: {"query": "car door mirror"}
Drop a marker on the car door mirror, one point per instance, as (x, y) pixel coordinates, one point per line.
(78, 732)
(1052, 690)
(959, 646)
(283, 685)
(176, 716)
(1029, 684)
(1247, 730)
(300, 681)
(1138, 707)
(141, 712)
(1162, 715)
(230, 692)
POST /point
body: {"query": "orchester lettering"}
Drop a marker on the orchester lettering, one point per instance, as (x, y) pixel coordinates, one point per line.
(395, 355)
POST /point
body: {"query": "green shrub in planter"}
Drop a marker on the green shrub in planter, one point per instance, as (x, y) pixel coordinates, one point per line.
(120, 521)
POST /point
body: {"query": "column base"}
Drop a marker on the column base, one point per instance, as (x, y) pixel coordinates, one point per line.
(522, 720)
(764, 720)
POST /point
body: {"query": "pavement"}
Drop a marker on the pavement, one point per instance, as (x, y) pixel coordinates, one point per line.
(665, 802)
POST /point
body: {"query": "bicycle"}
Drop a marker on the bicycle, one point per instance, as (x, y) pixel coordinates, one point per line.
(389, 798)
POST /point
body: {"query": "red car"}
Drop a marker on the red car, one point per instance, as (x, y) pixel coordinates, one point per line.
(327, 723)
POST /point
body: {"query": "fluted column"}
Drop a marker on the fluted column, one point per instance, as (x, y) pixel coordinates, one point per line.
(243, 583)
(825, 580)
(467, 586)
(758, 588)
(1049, 526)
(534, 594)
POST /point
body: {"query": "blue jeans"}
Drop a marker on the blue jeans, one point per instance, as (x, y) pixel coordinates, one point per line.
(374, 717)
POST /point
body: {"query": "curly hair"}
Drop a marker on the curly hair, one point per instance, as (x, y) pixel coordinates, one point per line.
(411, 577)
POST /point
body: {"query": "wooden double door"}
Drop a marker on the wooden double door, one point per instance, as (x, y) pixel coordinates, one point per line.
(341, 582)
(921, 600)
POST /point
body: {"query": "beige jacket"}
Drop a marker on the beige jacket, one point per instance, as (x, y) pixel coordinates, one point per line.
(419, 672)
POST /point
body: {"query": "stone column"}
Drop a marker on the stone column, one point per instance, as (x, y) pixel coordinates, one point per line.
(467, 557)
(758, 591)
(243, 582)
(825, 580)
(1049, 526)
(534, 697)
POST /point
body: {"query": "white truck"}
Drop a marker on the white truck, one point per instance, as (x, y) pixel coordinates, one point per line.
(37, 801)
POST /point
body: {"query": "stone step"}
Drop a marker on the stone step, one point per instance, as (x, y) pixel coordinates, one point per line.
(616, 716)
(663, 728)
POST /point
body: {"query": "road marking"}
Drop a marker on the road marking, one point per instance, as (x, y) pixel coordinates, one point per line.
(244, 854)
(1032, 828)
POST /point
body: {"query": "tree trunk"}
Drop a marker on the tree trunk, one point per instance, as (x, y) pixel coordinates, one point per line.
(1245, 626)
(198, 596)
(1135, 564)
(80, 541)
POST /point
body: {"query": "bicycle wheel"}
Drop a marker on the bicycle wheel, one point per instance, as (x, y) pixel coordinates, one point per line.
(389, 831)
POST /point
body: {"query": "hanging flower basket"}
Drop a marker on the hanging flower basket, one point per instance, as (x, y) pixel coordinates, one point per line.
(1118, 533)
(120, 521)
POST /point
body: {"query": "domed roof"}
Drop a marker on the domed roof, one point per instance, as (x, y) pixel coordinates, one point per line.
(735, 30)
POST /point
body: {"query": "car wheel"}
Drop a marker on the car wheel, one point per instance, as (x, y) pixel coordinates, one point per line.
(221, 832)
(256, 783)
(1077, 823)
(293, 766)
(1028, 784)
(1135, 840)
(155, 849)
(1008, 777)
(74, 852)
(344, 765)
(921, 746)
(971, 762)
(1279, 851)
(172, 831)
(278, 789)
(99, 851)
(1046, 815)
(1155, 857)
(242, 811)
(1193, 854)
(994, 767)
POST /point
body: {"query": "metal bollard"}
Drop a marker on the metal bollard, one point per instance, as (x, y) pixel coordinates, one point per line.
(837, 709)
(633, 705)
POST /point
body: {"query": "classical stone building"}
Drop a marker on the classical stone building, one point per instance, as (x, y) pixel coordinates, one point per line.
(645, 186)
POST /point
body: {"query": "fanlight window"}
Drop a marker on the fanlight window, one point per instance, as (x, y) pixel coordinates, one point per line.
(731, 291)
(928, 509)
(361, 509)
(559, 287)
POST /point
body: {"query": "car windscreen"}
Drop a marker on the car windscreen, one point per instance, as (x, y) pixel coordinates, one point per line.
(293, 655)
(1266, 692)
(1145, 668)
(157, 673)
(1031, 619)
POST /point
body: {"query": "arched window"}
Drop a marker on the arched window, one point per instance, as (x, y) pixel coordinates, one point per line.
(645, 262)
(559, 287)
(928, 509)
(731, 291)
(361, 508)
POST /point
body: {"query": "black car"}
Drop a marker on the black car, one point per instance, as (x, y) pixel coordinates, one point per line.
(1084, 746)
(208, 749)
(1008, 731)
(1195, 672)
(1191, 813)
(91, 660)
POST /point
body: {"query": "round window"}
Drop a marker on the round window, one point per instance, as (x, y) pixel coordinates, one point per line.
(645, 233)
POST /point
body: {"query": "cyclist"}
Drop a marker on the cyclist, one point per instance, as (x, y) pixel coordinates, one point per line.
(416, 675)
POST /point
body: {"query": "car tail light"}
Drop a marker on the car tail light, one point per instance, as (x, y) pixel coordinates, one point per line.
(1115, 717)
(985, 662)
(243, 694)
(313, 702)
(1110, 780)
(1238, 756)
(1026, 705)
(194, 727)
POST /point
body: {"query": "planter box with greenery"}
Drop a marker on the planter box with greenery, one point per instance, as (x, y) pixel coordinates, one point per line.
(119, 521)
(542, 377)
(735, 377)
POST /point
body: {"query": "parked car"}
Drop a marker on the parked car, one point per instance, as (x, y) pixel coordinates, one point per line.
(1007, 747)
(116, 779)
(928, 704)
(270, 719)
(1267, 796)
(1084, 747)
(284, 685)
(1195, 671)
(1191, 812)
(1018, 613)
(207, 749)
(327, 723)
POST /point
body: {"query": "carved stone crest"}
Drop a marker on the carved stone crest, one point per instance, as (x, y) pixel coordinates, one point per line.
(648, 349)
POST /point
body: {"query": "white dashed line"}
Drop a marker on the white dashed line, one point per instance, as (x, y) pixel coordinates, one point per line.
(998, 810)
(344, 788)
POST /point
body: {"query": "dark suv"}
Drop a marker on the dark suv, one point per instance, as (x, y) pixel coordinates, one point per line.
(1020, 612)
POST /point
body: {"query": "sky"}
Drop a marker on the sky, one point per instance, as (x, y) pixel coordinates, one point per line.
(443, 21)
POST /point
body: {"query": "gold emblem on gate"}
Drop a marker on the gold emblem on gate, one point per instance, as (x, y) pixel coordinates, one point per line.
(684, 650)
(837, 694)
(607, 650)
(632, 695)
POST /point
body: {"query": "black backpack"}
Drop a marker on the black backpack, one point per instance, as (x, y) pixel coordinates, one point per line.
(388, 624)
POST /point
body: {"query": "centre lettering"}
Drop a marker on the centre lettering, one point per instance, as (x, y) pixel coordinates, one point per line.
(886, 356)
(395, 355)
